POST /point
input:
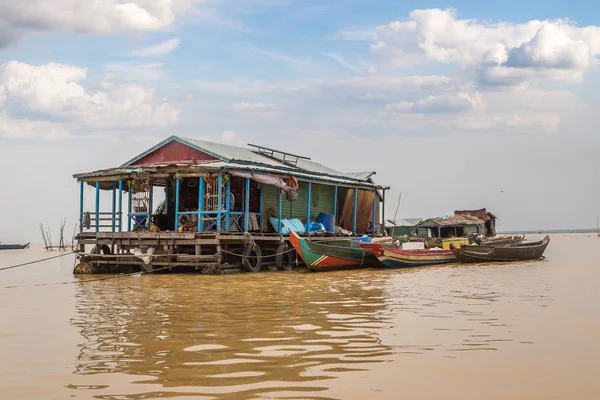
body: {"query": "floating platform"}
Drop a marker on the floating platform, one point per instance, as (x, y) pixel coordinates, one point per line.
(204, 252)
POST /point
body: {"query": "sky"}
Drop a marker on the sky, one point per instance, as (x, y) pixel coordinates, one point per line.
(456, 105)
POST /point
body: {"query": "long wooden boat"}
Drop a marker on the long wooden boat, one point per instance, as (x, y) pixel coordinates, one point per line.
(523, 251)
(13, 246)
(398, 258)
(319, 256)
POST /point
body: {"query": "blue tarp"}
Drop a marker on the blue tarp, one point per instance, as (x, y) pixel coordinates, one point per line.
(287, 225)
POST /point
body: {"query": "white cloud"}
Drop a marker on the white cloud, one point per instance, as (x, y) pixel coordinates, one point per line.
(258, 109)
(503, 53)
(26, 129)
(439, 104)
(245, 106)
(18, 18)
(55, 91)
(136, 71)
(547, 122)
(159, 49)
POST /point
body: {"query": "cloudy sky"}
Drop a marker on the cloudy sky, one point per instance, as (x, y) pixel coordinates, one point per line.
(455, 105)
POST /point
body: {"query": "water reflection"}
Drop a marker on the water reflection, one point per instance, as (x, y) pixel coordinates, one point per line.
(214, 336)
(292, 334)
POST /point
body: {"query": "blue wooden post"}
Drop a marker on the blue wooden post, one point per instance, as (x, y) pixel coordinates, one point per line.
(373, 214)
(200, 203)
(335, 201)
(114, 207)
(150, 198)
(129, 201)
(261, 208)
(177, 183)
(279, 207)
(167, 193)
(227, 203)
(308, 208)
(354, 211)
(219, 201)
(81, 207)
(247, 205)
(97, 206)
(120, 205)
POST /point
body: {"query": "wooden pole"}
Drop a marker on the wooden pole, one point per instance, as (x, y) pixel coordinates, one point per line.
(219, 201)
(81, 207)
(227, 203)
(247, 205)
(279, 210)
(383, 232)
(129, 201)
(150, 200)
(354, 211)
(120, 205)
(177, 204)
(262, 212)
(200, 203)
(308, 208)
(335, 206)
(97, 206)
(114, 207)
(373, 213)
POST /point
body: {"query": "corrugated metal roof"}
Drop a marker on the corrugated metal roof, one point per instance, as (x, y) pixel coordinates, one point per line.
(453, 220)
(363, 176)
(221, 165)
(244, 156)
(405, 221)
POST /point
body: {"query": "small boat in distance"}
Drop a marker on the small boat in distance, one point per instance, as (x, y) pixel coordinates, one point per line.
(329, 255)
(521, 252)
(398, 258)
(13, 246)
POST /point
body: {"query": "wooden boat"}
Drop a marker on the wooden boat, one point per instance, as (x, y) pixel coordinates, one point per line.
(504, 241)
(523, 251)
(398, 258)
(13, 246)
(319, 256)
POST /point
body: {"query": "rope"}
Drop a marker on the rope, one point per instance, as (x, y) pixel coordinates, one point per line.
(268, 256)
(92, 280)
(37, 261)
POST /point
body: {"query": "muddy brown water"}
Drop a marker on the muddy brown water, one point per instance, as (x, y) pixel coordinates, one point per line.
(527, 330)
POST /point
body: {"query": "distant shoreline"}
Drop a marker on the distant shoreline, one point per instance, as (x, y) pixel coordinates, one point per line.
(550, 231)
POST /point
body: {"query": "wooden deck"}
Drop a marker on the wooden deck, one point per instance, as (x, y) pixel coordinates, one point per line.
(206, 252)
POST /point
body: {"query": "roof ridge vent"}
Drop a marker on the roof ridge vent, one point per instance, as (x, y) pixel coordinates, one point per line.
(278, 155)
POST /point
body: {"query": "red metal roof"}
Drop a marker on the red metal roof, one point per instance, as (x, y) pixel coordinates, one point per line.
(174, 151)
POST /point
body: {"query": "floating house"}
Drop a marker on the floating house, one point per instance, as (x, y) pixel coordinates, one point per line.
(460, 224)
(402, 227)
(193, 204)
(451, 226)
(489, 220)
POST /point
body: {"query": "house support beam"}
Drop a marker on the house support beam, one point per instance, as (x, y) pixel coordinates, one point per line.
(97, 206)
(247, 205)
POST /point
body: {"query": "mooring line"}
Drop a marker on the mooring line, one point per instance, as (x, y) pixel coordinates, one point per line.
(37, 261)
(91, 280)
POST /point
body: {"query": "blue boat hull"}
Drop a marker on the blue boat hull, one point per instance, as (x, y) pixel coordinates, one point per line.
(13, 246)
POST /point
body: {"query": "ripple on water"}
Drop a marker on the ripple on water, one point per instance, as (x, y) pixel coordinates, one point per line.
(282, 335)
